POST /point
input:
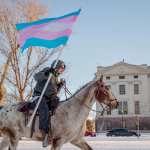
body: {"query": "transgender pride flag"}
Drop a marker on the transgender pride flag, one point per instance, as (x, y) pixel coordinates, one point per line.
(49, 32)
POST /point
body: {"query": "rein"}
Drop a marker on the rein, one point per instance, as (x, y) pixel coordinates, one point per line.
(69, 93)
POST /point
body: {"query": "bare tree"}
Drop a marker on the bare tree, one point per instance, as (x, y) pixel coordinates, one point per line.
(17, 70)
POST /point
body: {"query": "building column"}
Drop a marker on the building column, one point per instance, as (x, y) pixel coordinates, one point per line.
(131, 106)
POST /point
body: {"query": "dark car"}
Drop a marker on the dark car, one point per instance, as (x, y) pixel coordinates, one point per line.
(121, 132)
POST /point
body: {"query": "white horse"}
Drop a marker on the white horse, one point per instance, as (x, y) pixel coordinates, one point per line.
(67, 125)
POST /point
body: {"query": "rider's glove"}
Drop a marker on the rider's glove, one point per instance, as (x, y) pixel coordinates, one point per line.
(62, 82)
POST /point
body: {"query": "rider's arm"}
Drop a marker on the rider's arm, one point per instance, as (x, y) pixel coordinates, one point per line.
(60, 85)
(42, 75)
(52, 88)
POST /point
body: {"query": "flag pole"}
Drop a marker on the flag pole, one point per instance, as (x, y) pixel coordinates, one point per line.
(41, 96)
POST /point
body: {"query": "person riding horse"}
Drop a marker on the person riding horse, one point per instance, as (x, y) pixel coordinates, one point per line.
(50, 99)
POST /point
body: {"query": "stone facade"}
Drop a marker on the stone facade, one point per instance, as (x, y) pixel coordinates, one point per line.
(131, 86)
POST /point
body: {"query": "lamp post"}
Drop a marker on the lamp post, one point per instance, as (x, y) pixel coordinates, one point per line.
(138, 125)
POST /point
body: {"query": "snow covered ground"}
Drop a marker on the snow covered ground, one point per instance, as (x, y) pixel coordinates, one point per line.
(101, 142)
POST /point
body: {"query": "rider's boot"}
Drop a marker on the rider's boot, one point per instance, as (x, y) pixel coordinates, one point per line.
(45, 141)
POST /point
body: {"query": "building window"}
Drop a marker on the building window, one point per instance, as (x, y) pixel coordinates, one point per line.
(136, 77)
(137, 107)
(136, 89)
(120, 108)
(123, 108)
(108, 78)
(109, 112)
(121, 77)
(122, 90)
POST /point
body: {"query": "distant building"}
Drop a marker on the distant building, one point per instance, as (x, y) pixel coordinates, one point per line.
(131, 85)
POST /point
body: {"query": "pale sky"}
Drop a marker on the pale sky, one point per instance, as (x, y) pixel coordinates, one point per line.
(106, 32)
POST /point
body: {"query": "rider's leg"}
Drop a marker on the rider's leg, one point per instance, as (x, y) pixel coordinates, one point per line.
(44, 120)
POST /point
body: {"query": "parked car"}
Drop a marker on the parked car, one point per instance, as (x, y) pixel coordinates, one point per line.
(121, 132)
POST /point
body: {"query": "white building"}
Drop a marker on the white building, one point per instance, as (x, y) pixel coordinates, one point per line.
(131, 85)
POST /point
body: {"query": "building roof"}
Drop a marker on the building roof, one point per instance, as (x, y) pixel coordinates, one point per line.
(123, 68)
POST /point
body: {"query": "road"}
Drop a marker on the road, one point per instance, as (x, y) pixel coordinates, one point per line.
(101, 142)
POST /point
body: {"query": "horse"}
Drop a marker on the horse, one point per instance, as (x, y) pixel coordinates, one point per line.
(68, 122)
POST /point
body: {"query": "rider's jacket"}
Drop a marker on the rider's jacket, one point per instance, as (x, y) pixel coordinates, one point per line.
(53, 87)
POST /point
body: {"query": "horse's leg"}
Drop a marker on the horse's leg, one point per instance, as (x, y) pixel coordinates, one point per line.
(9, 139)
(16, 135)
(82, 144)
(13, 136)
(4, 143)
(13, 143)
(14, 140)
(57, 144)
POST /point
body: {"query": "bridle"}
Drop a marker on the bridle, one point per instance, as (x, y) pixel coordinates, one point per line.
(106, 108)
(105, 93)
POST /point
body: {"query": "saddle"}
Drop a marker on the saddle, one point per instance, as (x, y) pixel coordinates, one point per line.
(27, 107)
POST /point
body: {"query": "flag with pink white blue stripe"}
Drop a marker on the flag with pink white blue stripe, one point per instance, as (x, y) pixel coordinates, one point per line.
(49, 32)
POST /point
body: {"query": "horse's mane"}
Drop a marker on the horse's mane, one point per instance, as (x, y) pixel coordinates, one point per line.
(78, 90)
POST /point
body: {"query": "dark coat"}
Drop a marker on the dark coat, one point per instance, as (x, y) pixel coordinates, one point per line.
(53, 86)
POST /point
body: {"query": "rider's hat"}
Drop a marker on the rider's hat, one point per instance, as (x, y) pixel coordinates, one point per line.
(60, 64)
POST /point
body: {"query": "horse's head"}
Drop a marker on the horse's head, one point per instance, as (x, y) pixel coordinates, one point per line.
(104, 95)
